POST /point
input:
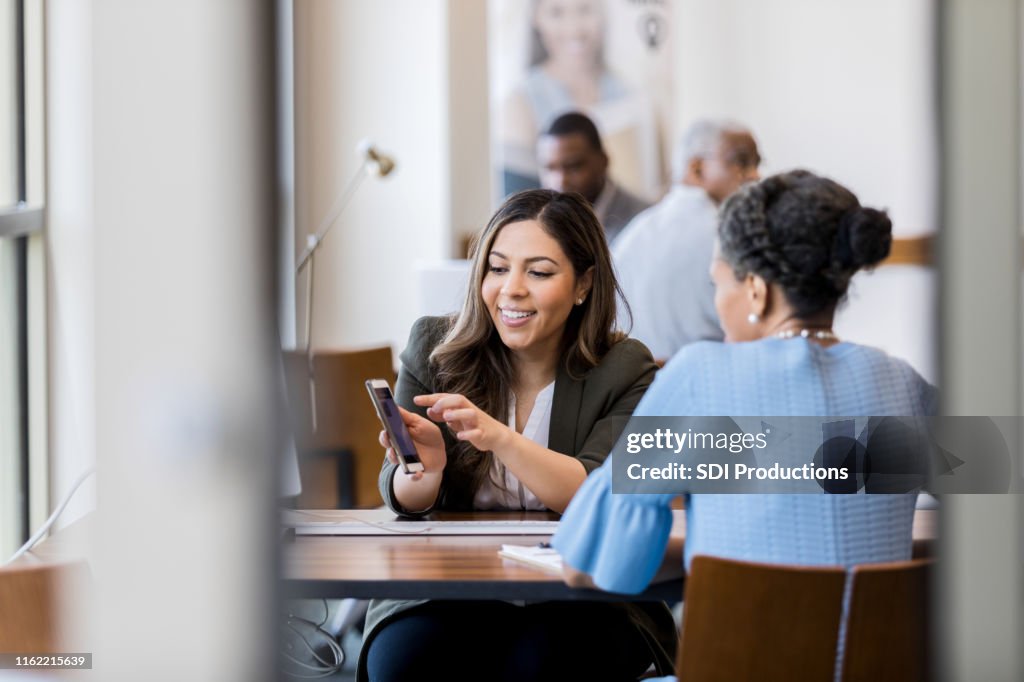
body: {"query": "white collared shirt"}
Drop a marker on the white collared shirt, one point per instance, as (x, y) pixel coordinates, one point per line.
(512, 494)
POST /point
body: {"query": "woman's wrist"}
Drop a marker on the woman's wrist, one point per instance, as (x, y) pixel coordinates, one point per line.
(415, 495)
(505, 446)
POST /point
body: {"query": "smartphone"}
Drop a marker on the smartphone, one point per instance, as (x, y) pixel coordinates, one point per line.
(394, 426)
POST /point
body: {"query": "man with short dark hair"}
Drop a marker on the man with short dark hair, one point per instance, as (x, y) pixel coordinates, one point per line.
(663, 256)
(572, 159)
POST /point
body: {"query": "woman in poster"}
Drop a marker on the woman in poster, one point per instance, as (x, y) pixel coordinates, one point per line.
(568, 71)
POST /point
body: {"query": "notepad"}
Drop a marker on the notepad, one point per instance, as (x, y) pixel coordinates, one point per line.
(543, 557)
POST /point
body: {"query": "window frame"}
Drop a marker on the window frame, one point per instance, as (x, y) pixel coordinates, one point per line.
(21, 222)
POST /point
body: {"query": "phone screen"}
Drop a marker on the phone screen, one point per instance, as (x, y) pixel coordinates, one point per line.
(400, 438)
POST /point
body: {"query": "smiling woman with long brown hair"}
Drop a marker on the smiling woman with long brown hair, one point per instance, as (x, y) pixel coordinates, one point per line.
(511, 403)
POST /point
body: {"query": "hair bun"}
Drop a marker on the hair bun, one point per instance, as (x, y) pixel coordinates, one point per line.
(864, 237)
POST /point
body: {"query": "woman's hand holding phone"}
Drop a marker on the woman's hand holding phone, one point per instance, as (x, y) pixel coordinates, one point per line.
(427, 438)
(468, 421)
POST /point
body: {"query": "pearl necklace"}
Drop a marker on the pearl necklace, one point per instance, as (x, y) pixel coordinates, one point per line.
(819, 334)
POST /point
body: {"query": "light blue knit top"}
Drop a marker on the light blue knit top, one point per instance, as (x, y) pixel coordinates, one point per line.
(620, 539)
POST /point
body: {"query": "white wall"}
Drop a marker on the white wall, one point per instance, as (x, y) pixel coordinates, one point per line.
(379, 71)
(845, 89)
(841, 88)
(895, 308)
(469, 120)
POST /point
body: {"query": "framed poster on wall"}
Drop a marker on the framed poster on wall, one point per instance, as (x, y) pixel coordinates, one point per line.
(609, 59)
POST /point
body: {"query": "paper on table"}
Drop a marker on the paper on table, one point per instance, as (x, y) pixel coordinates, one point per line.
(538, 556)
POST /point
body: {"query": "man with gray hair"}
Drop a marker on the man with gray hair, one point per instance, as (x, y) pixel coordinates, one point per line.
(663, 256)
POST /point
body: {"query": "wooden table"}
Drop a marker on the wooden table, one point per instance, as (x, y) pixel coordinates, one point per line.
(454, 567)
(434, 567)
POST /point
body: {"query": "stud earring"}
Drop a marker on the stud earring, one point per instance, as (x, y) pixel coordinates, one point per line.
(579, 301)
(753, 318)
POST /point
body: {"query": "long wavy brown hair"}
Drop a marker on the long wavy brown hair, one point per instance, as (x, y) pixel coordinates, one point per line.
(473, 361)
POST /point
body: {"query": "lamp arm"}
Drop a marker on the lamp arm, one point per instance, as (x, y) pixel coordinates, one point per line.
(314, 240)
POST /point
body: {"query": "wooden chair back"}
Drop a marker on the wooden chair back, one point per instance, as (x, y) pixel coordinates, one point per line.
(749, 621)
(887, 626)
(32, 604)
(344, 445)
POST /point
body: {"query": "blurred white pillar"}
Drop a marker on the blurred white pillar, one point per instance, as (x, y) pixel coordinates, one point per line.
(175, 143)
(285, 12)
(980, 589)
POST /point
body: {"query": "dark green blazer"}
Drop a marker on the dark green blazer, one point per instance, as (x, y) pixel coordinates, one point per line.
(587, 414)
(587, 417)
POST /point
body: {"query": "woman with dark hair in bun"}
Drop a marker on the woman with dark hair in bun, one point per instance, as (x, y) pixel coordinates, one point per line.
(787, 248)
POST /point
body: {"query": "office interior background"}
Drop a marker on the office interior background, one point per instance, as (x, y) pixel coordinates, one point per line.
(161, 164)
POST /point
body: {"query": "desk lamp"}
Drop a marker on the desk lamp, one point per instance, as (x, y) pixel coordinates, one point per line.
(373, 163)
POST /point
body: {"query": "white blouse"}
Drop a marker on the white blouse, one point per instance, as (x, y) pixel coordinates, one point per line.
(501, 489)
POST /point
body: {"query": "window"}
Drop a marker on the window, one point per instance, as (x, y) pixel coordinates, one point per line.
(23, 425)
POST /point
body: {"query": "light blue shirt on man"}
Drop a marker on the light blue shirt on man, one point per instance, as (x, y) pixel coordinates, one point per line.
(662, 260)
